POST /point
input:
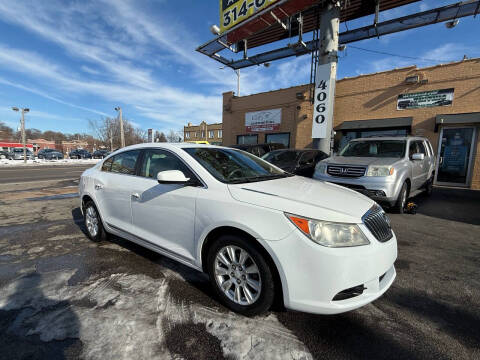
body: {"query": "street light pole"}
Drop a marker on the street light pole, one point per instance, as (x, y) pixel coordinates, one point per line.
(122, 134)
(22, 125)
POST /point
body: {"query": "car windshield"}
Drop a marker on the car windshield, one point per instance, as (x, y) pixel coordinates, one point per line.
(235, 166)
(375, 148)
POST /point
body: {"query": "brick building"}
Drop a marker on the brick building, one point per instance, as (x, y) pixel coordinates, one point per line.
(440, 102)
(39, 144)
(203, 132)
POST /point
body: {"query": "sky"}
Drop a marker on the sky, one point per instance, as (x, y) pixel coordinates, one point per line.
(71, 61)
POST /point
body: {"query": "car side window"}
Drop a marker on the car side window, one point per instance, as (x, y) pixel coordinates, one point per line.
(156, 160)
(412, 148)
(307, 157)
(124, 163)
(421, 148)
(107, 164)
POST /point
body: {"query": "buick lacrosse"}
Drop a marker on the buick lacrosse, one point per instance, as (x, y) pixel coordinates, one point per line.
(257, 231)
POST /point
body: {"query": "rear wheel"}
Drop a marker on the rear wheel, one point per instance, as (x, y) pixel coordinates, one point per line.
(399, 206)
(240, 275)
(93, 222)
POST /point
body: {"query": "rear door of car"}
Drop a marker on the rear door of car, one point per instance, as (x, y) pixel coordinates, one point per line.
(164, 214)
(112, 189)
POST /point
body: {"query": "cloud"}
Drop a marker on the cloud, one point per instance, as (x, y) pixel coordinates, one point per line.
(442, 54)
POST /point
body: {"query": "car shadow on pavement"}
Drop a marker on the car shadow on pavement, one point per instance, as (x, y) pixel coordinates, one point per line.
(350, 335)
(460, 205)
(190, 285)
(33, 326)
(458, 322)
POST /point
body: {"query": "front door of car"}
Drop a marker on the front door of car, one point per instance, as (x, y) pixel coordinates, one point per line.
(424, 164)
(164, 214)
(306, 164)
(112, 189)
(417, 166)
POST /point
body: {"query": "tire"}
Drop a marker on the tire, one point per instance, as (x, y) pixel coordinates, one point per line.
(256, 288)
(429, 187)
(93, 222)
(401, 202)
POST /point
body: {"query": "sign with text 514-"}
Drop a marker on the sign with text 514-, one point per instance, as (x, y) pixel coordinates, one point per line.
(323, 104)
(233, 12)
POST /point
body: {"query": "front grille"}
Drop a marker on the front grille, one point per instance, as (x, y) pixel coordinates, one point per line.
(345, 170)
(378, 223)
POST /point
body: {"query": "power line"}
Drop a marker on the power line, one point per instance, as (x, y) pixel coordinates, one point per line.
(397, 55)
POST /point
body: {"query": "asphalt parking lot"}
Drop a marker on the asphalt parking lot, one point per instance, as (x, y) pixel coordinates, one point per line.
(64, 297)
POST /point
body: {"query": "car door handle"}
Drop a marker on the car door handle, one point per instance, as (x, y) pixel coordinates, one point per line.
(98, 186)
(136, 195)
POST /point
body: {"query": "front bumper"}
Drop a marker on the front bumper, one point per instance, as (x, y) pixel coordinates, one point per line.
(312, 275)
(381, 189)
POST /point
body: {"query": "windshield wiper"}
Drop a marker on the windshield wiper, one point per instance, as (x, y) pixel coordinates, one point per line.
(260, 178)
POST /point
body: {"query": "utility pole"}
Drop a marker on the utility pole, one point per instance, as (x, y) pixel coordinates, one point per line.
(122, 134)
(326, 77)
(238, 81)
(22, 125)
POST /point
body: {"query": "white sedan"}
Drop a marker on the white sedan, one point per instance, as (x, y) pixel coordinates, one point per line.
(257, 231)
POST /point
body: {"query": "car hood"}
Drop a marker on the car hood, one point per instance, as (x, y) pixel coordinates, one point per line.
(361, 161)
(305, 197)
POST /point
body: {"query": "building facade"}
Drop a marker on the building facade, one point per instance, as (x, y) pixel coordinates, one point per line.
(439, 102)
(213, 133)
(39, 144)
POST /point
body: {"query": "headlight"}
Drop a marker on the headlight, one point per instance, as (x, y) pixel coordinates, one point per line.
(321, 168)
(330, 234)
(380, 171)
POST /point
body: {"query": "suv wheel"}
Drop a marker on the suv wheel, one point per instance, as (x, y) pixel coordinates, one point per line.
(399, 206)
(240, 276)
(93, 222)
(429, 187)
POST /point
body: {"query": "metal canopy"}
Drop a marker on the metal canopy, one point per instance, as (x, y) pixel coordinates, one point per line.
(445, 13)
(350, 9)
(375, 123)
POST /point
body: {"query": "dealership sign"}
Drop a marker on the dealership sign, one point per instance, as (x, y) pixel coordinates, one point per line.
(233, 12)
(425, 99)
(267, 120)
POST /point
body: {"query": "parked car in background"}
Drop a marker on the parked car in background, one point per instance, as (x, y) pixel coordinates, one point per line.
(298, 162)
(79, 154)
(258, 232)
(4, 154)
(49, 154)
(388, 169)
(258, 149)
(17, 154)
(100, 154)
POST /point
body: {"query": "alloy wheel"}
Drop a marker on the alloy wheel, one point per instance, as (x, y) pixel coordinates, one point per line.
(237, 275)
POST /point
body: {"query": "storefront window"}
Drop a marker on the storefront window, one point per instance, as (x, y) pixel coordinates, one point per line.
(282, 138)
(247, 139)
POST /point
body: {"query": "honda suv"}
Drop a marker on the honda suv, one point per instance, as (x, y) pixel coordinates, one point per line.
(387, 169)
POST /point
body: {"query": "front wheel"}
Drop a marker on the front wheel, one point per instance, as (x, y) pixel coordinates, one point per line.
(401, 202)
(240, 275)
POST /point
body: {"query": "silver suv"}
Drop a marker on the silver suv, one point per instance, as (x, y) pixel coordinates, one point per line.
(387, 169)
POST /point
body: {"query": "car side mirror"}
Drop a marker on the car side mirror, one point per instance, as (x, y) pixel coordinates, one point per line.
(418, 156)
(172, 177)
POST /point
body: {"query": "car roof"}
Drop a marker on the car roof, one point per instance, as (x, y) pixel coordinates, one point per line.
(391, 138)
(171, 146)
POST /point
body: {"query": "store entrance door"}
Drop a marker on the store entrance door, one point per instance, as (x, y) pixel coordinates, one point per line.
(455, 156)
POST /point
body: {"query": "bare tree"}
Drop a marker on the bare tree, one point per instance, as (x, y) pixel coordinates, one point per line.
(172, 136)
(6, 132)
(107, 130)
